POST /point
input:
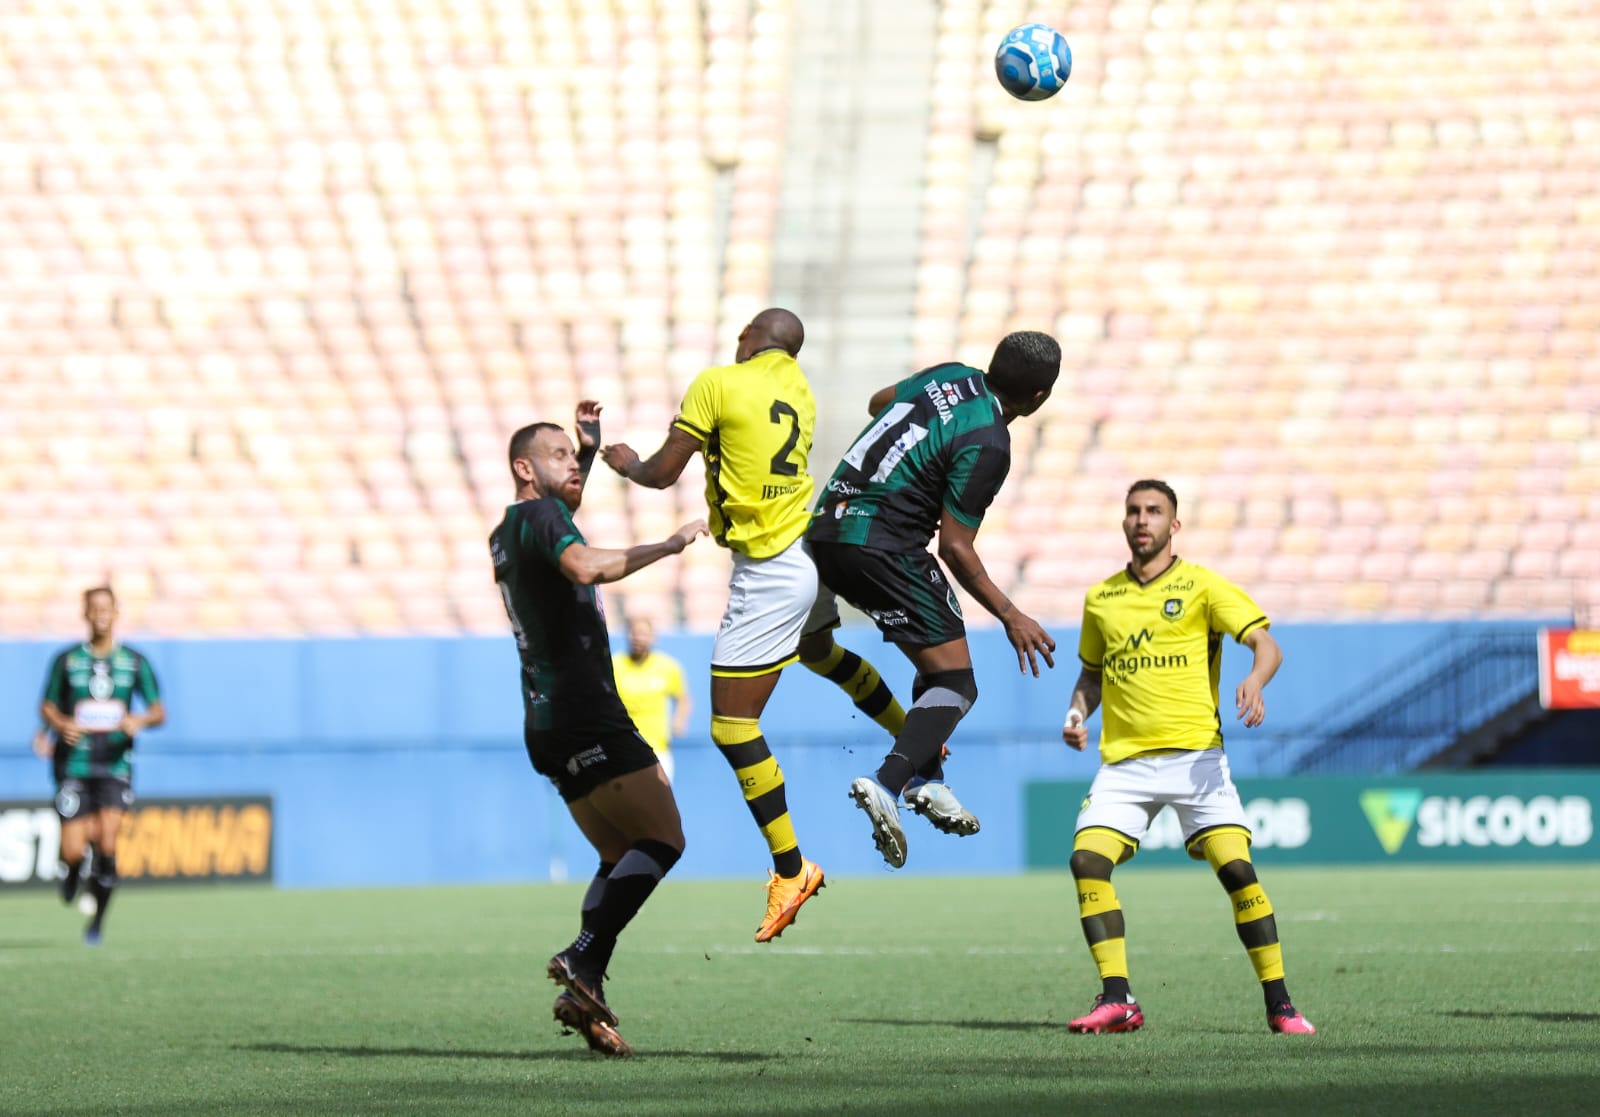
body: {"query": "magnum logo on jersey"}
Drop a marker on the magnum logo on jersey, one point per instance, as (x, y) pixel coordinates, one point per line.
(1139, 654)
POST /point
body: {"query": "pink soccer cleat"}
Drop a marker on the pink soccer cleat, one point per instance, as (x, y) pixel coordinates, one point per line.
(1284, 1020)
(1108, 1016)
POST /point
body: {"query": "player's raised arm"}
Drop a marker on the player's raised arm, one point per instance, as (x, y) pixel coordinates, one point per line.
(1085, 700)
(1252, 707)
(588, 424)
(958, 551)
(589, 566)
(662, 468)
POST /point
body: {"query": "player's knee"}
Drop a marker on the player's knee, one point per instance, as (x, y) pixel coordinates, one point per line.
(1236, 875)
(1086, 864)
(962, 684)
(815, 648)
(664, 854)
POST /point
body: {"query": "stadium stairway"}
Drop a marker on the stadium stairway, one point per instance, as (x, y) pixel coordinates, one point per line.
(848, 234)
(1473, 695)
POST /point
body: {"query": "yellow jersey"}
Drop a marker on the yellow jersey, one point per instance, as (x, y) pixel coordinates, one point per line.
(645, 689)
(1158, 648)
(754, 421)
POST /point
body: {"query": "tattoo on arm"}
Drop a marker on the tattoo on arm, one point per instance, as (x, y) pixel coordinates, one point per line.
(1087, 688)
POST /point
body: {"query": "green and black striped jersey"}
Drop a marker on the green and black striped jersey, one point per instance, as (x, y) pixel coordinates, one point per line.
(560, 626)
(97, 692)
(940, 444)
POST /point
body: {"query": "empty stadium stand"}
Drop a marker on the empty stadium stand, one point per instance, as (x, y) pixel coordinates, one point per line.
(277, 280)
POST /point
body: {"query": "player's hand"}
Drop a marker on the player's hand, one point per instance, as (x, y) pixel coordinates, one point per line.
(1248, 701)
(1030, 640)
(70, 733)
(1074, 732)
(620, 457)
(588, 420)
(42, 748)
(688, 533)
(131, 724)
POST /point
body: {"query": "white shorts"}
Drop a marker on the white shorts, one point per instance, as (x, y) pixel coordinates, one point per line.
(768, 600)
(1127, 796)
(824, 614)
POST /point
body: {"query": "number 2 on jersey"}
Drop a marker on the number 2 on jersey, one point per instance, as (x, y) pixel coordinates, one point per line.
(781, 465)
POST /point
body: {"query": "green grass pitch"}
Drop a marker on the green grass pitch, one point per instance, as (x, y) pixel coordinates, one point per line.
(1459, 990)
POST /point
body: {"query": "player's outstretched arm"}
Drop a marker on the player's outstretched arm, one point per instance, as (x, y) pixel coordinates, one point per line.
(588, 423)
(958, 552)
(588, 565)
(1085, 700)
(662, 468)
(1252, 707)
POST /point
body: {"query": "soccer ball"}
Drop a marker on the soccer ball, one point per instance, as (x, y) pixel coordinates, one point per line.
(1033, 62)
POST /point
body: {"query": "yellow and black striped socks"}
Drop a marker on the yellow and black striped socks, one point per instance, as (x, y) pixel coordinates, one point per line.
(1094, 855)
(866, 688)
(745, 749)
(1229, 855)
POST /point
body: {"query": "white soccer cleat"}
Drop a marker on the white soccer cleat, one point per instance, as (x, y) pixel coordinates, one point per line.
(935, 802)
(872, 797)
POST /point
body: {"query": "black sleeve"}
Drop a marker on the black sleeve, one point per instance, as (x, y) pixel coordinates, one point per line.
(979, 472)
(586, 454)
(547, 529)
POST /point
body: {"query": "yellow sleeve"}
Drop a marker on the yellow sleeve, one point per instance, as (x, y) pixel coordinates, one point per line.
(1091, 641)
(1231, 610)
(702, 406)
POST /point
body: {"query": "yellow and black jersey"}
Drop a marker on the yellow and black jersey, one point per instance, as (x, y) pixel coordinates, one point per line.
(1158, 648)
(754, 421)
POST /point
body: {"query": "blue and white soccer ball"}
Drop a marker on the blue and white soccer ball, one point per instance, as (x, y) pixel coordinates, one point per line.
(1033, 62)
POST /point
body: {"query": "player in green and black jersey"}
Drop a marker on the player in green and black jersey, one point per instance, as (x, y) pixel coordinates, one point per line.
(577, 732)
(88, 704)
(931, 461)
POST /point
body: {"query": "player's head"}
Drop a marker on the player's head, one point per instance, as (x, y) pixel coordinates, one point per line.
(773, 328)
(100, 611)
(641, 637)
(1023, 370)
(1150, 517)
(545, 463)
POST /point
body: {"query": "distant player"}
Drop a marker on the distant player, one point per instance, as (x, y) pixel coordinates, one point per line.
(88, 702)
(575, 728)
(650, 683)
(752, 420)
(933, 458)
(1152, 651)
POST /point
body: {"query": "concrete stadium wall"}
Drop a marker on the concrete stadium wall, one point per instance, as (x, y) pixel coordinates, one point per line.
(400, 761)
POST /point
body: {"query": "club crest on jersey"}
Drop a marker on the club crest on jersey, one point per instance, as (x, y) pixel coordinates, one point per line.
(1172, 608)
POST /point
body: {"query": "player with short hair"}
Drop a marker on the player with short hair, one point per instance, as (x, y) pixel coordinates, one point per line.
(752, 421)
(575, 728)
(932, 459)
(650, 684)
(1151, 647)
(88, 702)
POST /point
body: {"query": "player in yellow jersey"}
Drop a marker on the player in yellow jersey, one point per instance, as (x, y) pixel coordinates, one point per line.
(650, 684)
(1151, 648)
(752, 420)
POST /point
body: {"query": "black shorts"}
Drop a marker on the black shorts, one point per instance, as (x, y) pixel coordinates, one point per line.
(80, 798)
(578, 761)
(904, 592)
